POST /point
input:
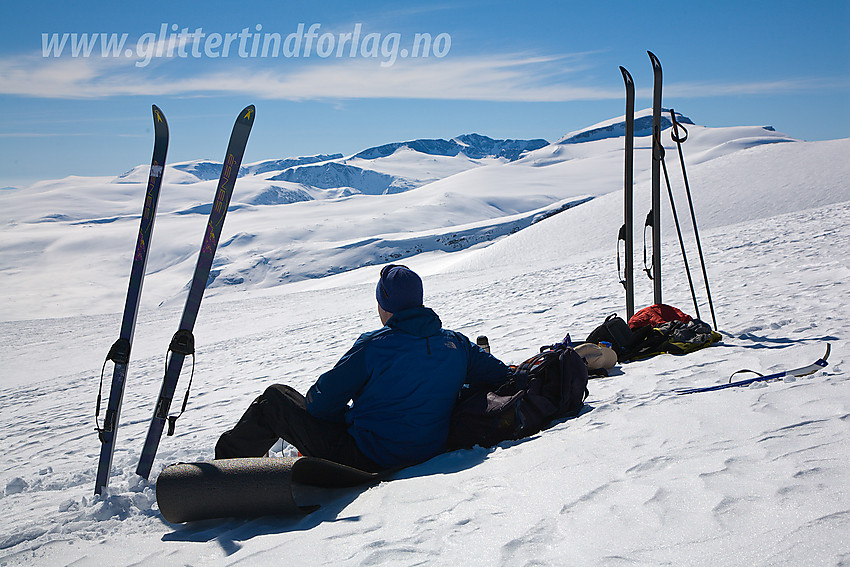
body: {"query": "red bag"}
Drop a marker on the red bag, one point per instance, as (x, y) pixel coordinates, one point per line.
(656, 315)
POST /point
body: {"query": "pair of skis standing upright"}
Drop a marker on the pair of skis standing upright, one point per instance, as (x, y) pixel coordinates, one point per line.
(653, 219)
(182, 344)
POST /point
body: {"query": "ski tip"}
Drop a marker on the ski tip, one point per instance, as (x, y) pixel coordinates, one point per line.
(626, 75)
(159, 122)
(826, 355)
(247, 114)
(654, 59)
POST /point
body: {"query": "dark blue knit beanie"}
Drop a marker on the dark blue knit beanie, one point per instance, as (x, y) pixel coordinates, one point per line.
(398, 289)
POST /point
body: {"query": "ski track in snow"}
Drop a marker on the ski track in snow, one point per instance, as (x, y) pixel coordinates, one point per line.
(745, 476)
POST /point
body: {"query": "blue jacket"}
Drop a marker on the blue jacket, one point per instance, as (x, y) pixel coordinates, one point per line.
(403, 379)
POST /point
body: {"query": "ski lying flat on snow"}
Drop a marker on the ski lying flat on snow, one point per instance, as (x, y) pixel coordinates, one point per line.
(182, 344)
(804, 371)
(119, 354)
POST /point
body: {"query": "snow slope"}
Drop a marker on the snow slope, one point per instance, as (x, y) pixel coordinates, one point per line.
(750, 476)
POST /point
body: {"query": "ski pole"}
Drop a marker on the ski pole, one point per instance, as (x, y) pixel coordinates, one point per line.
(674, 133)
(679, 230)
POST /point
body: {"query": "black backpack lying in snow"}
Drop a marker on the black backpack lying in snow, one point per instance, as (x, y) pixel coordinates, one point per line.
(547, 386)
(617, 332)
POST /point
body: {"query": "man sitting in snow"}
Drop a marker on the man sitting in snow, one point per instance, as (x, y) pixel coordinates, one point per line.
(403, 380)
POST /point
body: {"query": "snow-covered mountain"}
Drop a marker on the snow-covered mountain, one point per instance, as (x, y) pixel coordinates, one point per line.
(474, 146)
(208, 170)
(334, 172)
(282, 164)
(327, 214)
(522, 251)
(616, 128)
(335, 175)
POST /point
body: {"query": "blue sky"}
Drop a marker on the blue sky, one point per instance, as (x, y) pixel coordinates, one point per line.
(503, 69)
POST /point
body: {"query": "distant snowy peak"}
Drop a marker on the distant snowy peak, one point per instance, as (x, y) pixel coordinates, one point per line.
(204, 170)
(275, 195)
(182, 172)
(474, 146)
(209, 170)
(334, 175)
(282, 164)
(488, 147)
(616, 127)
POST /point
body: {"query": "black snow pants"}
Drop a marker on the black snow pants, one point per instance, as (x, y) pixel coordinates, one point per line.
(281, 413)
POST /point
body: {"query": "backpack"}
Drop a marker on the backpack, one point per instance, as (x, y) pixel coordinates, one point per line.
(547, 386)
(617, 332)
(675, 337)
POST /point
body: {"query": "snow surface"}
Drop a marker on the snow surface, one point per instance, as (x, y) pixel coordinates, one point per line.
(749, 476)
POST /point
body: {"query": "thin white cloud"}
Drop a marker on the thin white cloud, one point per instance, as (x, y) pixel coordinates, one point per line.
(506, 78)
(485, 79)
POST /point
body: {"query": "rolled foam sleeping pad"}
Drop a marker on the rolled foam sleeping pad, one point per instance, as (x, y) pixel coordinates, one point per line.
(246, 488)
